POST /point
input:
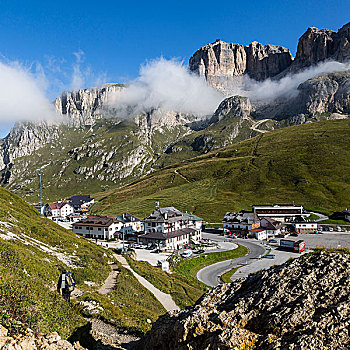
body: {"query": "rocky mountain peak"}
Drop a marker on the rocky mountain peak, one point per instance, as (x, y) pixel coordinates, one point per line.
(232, 107)
(221, 61)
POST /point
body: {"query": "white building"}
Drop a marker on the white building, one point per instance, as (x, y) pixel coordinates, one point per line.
(61, 209)
(283, 213)
(242, 221)
(259, 233)
(305, 227)
(271, 226)
(194, 221)
(98, 227)
(169, 228)
(347, 214)
(130, 223)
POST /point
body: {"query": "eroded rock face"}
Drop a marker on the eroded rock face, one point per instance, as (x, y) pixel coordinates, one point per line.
(220, 62)
(232, 107)
(29, 341)
(302, 304)
(317, 45)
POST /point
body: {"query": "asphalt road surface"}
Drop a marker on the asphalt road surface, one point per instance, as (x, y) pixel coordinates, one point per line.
(210, 274)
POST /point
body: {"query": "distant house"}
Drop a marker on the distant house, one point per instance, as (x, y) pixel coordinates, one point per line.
(97, 227)
(271, 226)
(43, 209)
(346, 213)
(169, 228)
(242, 221)
(81, 201)
(303, 226)
(258, 233)
(130, 223)
(283, 213)
(61, 209)
(194, 221)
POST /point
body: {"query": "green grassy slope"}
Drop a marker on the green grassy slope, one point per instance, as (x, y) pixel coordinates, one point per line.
(307, 164)
(33, 250)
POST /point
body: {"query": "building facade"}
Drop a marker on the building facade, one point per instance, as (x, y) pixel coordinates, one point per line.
(168, 228)
(283, 213)
(97, 227)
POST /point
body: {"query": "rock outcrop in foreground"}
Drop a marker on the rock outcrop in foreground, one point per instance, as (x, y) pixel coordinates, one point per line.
(302, 304)
(29, 341)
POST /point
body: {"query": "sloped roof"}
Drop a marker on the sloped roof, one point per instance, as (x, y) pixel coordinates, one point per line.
(57, 205)
(96, 220)
(242, 217)
(193, 217)
(271, 224)
(172, 215)
(164, 236)
(79, 199)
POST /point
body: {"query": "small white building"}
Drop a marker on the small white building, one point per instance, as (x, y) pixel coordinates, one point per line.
(347, 214)
(61, 209)
(97, 227)
(242, 221)
(259, 233)
(305, 227)
(271, 226)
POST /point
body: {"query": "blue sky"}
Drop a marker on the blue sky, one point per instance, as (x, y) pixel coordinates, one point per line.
(113, 38)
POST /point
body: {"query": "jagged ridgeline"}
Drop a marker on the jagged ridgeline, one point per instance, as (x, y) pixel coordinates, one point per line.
(96, 148)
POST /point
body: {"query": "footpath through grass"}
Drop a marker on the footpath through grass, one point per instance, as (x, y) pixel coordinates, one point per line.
(184, 291)
(182, 283)
(128, 305)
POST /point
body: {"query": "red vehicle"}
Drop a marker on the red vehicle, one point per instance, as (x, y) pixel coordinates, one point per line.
(299, 246)
(296, 247)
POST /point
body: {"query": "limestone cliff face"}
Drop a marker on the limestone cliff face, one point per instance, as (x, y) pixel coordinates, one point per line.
(220, 62)
(85, 106)
(317, 45)
(232, 107)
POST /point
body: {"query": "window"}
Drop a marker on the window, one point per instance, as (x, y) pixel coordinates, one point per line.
(99, 228)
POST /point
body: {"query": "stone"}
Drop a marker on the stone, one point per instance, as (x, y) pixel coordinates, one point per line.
(3, 331)
(221, 62)
(273, 309)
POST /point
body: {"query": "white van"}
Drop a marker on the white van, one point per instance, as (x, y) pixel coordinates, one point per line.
(187, 253)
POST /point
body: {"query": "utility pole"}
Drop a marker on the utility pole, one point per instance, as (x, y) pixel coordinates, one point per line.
(39, 170)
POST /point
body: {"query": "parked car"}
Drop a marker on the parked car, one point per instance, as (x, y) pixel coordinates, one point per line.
(272, 241)
(338, 229)
(156, 251)
(200, 251)
(325, 228)
(269, 256)
(331, 229)
(187, 253)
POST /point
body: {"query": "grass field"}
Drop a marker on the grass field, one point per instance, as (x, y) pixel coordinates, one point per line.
(184, 291)
(182, 283)
(129, 305)
(226, 277)
(190, 267)
(307, 164)
(34, 250)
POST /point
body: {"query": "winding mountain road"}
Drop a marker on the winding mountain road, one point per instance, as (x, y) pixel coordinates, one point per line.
(210, 275)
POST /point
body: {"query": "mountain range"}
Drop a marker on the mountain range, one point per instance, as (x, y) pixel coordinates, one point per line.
(91, 148)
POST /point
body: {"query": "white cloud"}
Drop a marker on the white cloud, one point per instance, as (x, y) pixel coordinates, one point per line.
(169, 86)
(269, 89)
(21, 94)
